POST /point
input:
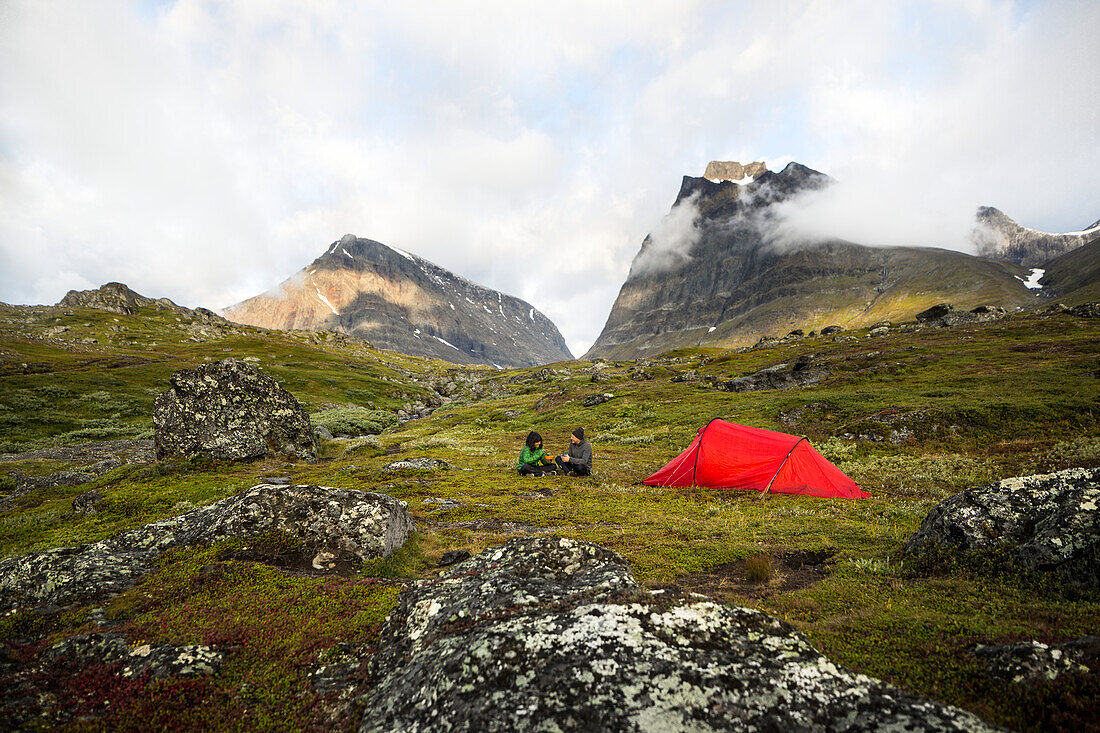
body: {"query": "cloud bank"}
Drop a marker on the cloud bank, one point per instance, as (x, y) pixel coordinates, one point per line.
(205, 150)
(670, 243)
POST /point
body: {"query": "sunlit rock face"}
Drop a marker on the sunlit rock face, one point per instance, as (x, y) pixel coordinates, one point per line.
(1047, 522)
(996, 235)
(723, 170)
(555, 634)
(399, 301)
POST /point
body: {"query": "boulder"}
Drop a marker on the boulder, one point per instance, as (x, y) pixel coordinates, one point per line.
(804, 372)
(453, 557)
(230, 410)
(349, 525)
(53, 688)
(1048, 522)
(691, 375)
(163, 660)
(945, 315)
(1086, 310)
(830, 330)
(1034, 661)
(555, 634)
(598, 399)
(88, 502)
(934, 313)
(417, 464)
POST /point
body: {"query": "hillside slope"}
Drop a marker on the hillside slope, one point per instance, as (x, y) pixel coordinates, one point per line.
(1074, 277)
(403, 302)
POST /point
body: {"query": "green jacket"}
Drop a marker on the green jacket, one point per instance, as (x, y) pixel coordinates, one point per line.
(532, 457)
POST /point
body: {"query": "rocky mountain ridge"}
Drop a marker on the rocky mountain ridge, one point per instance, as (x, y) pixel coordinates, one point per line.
(405, 303)
(997, 236)
(731, 280)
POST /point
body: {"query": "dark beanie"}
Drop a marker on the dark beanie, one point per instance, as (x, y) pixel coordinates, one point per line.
(579, 433)
(532, 438)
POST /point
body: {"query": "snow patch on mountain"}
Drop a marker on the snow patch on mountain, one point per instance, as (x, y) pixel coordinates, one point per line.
(1032, 281)
(325, 300)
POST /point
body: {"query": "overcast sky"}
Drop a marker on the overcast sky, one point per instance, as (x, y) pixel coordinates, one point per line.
(204, 151)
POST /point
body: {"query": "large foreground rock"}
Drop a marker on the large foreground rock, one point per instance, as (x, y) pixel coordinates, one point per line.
(338, 525)
(555, 634)
(230, 410)
(1048, 522)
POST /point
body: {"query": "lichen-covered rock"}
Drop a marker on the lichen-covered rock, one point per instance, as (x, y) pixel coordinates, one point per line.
(803, 373)
(1049, 522)
(598, 399)
(230, 410)
(347, 525)
(88, 502)
(52, 687)
(417, 464)
(163, 660)
(555, 634)
(1033, 661)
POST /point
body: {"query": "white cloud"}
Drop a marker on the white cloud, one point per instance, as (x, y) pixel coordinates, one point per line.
(205, 150)
(670, 243)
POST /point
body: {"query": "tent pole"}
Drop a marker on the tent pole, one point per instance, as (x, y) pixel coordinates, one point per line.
(781, 464)
(695, 467)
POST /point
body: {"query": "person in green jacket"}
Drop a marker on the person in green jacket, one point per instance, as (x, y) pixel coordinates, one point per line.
(533, 460)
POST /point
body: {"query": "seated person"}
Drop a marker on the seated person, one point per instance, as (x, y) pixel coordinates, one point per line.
(533, 460)
(578, 461)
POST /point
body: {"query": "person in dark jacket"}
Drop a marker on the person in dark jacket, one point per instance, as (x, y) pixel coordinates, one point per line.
(533, 460)
(578, 461)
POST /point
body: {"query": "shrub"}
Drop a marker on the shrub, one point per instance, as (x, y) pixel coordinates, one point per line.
(758, 569)
(354, 420)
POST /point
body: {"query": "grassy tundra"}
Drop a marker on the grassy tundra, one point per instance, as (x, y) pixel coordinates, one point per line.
(913, 416)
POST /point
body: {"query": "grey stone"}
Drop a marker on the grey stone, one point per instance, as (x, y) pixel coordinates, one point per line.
(804, 372)
(162, 660)
(230, 410)
(87, 503)
(934, 313)
(31, 696)
(549, 633)
(598, 399)
(322, 432)
(830, 330)
(349, 525)
(1033, 661)
(1048, 522)
(453, 557)
(417, 464)
(691, 375)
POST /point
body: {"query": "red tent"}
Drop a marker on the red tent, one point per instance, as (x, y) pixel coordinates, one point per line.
(725, 455)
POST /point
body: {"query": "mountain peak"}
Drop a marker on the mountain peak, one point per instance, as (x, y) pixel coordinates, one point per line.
(400, 301)
(731, 170)
(996, 235)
